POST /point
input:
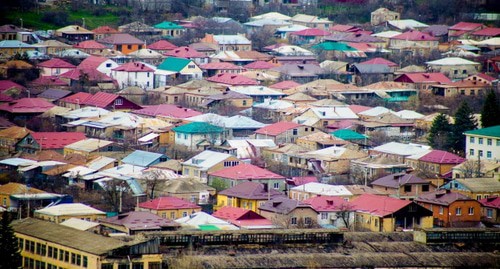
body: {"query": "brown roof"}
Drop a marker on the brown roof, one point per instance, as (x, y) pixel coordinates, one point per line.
(120, 39)
(14, 132)
(17, 188)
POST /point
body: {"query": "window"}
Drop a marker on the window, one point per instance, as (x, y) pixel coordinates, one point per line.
(73, 258)
(489, 142)
(458, 211)
(137, 265)
(123, 266)
(85, 262)
(178, 135)
(108, 65)
(244, 102)
(184, 214)
(294, 132)
(191, 66)
(324, 215)
(471, 152)
(480, 141)
(276, 185)
(480, 153)
(118, 102)
(478, 197)
(425, 188)
(30, 246)
(441, 209)
(407, 188)
(498, 142)
(129, 47)
(293, 220)
(471, 140)
(172, 215)
(107, 266)
(4, 201)
(489, 213)
(185, 136)
(471, 210)
(307, 220)
(488, 154)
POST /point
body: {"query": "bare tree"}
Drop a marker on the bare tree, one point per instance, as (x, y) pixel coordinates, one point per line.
(345, 214)
(113, 191)
(472, 168)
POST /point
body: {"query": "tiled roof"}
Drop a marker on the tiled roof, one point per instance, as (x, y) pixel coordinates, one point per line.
(117, 39)
(327, 203)
(56, 63)
(105, 30)
(101, 99)
(220, 65)
(493, 131)
(491, 202)
(89, 44)
(398, 180)
(77, 98)
(174, 64)
(284, 85)
(48, 81)
(246, 171)
(425, 77)
(140, 220)
(7, 85)
(251, 190)
(311, 32)
(277, 128)
(442, 197)
(168, 203)
(57, 140)
(133, 67)
(92, 62)
(379, 60)
(283, 205)
(162, 45)
(232, 79)
(413, 35)
(465, 26)
(441, 157)
(378, 205)
(185, 52)
(198, 128)
(166, 110)
(27, 105)
(17, 188)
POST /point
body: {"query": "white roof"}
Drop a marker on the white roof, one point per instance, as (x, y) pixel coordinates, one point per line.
(401, 148)
(79, 224)
(158, 174)
(292, 28)
(330, 152)
(242, 122)
(211, 118)
(256, 91)
(207, 159)
(72, 53)
(273, 104)
(17, 162)
(40, 164)
(376, 111)
(334, 112)
(232, 40)
(292, 50)
(89, 144)
(100, 162)
(202, 218)
(145, 54)
(261, 143)
(75, 209)
(495, 41)
(124, 170)
(309, 19)
(86, 112)
(323, 189)
(407, 24)
(271, 15)
(230, 55)
(386, 34)
(78, 171)
(148, 137)
(264, 22)
(451, 61)
(409, 114)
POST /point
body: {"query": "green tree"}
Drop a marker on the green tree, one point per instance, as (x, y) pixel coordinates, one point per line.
(10, 256)
(490, 115)
(440, 132)
(464, 121)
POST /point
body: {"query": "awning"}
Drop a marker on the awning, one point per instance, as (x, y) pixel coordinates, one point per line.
(147, 138)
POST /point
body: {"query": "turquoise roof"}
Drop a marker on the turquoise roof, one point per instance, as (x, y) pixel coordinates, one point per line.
(168, 25)
(347, 134)
(14, 44)
(493, 131)
(333, 46)
(174, 64)
(198, 128)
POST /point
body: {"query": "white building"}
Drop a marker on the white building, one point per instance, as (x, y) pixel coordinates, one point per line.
(134, 74)
(483, 143)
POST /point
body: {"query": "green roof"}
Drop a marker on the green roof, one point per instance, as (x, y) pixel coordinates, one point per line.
(168, 25)
(333, 46)
(174, 64)
(347, 134)
(493, 131)
(198, 128)
(397, 99)
(208, 227)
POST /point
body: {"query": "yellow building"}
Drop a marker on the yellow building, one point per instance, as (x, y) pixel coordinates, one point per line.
(207, 161)
(62, 212)
(475, 188)
(169, 207)
(48, 245)
(12, 189)
(247, 195)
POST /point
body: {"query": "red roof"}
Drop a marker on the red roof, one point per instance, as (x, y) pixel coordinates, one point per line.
(220, 65)
(277, 128)
(246, 171)
(414, 35)
(465, 26)
(56, 63)
(423, 77)
(251, 190)
(92, 62)
(299, 181)
(359, 108)
(285, 85)
(7, 84)
(232, 79)
(241, 217)
(92, 74)
(493, 32)
(162, 45)
(485, 77)
(441, 157)
(134, 67)
(328, 203)
(379, 60)
(57, 140)
(77, 98)
(48, 81)
(344, 28)
(185, 52)
(259, 65)
(378, 205)
(312, 32)
(491, 202)
(89, 44)
(27, 105)
(166, 110)
(364, 47)
(167, 203)
(105, 30)
(101, 99)
(5, 98)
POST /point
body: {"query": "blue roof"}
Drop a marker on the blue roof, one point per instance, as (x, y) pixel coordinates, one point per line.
(143, 158)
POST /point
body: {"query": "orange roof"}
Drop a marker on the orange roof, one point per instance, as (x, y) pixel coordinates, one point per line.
(167, 203)
(17, 188)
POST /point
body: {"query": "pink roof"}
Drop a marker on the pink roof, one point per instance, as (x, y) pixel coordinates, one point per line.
(285, 85)
(379, 60)
(5, 98)
(105, 30)
(166, 110)
(185, 52)
(241, 217)
(327, 203)
(491, 202)
(342, 124)
(57, 140)
(259, 65)
(414, 35)
(77, 98)
(344, 28)
(89, 44)
(220, 65)
(275, 46)
(162, 45)
(364, 47)
(167, 203)
(277, 128)
(299, 181)
(92, 62)
(493, 32)
(48, 81)
(486, 77)
(7, 84)
(232, 79)
(246, 171)
(441, 157)
(465, 26)
(56, 63)
(133, 67)
(27, 105)
(93, 75)
(378, 205)
(100, 99)
(423, 77)
(311, 32)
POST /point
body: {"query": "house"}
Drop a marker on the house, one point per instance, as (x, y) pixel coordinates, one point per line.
(483, 143)
(74, 33)
(386, 214)
(196, 135)
(25, 108)
(13, 195)
(144, 158)
(308, 36)
(90, 47)
(51, 47)
(135, 222)
(188, 53)
(229, 99)
(365, 74)
(38, 141)
(54, 67)
(123, 42)
(148, 56)
(167, 112)
(401, 25)
(243, 218)
(382, 15)
(259, 94)
(300, 73)
(333, 212)
(61, 212)
(104, 31)
(454, 67)
(436, 162)
(416, 42)
(490, 210)
(451, 209)
(462, 87)
(402, 186)
(315, 189)
(207, 161)
(9, 137)
(237, 42)
(91, 76)
(389, 124)
(89, 146)
(134, 74)
(244, 172)
(463, 30)
(423, 81)
(169, 29)
(319, 140)
(375, 166)
(205, 222)
(473, 168)
(475, 188)
(55, 244)
(110, 101)
(399, 151)
(99, 63)
(228, 79)
(247, 195)
(283, 132)
(215, 68)
(311, 21)
(162, 46)
(169, 207)
(289, 213)
(186, 188)
(175, 70)
(485, 33)
(322, 117)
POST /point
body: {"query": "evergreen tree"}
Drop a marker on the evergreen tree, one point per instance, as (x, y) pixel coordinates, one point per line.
(440, 132)
(464, 121)
(10, 256)
(490, 115)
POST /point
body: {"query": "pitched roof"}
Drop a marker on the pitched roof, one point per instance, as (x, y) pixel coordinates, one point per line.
(167, 110)
(493, 32)
(259, 65)
(18, 188)
(185, 52)
(14, 132)
(54, 94)
(441, 157)
(284, 85)
(311, 32)
(491, 202)
(105, 30)
(167, 25)
(452, 61)
(240, 217)
(232, 79)
(123, 38)
(465, 26)
(134, 67)
(72, 209)
(56, 63)
(140, 220)
(379, 60)
(493, 131)
(27, 105)
(251, 190)
(48, 81)
(77, 98)
(378, 205)
(220, 65)
(198, 128)
(207, 159)
(56, 140)
(413, 35)
(425, 77)
(89, 44)
(397, 180)
(168, 203)
(323, 189)
(347, 134)
(8, 84)
(490, 185)
(277, 128)
(92, 62)
(174, 64)
(283, 205)
(162, 45)
(101, 99)
(142, 158)
(328, 45)
(245, 171)
(328, 203)
(92, 74)
(442, 197)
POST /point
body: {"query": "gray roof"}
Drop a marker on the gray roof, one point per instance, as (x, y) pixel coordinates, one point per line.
(372, 68)
(142, 158)
(140, 220)
(283, 205)
(442, 197)
(54, 94)
(397, 180)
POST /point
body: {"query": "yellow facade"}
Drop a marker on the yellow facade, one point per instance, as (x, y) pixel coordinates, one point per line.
(61, 218)
(173, 214)
(198, 172)
(251, 204)
(365, 221)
